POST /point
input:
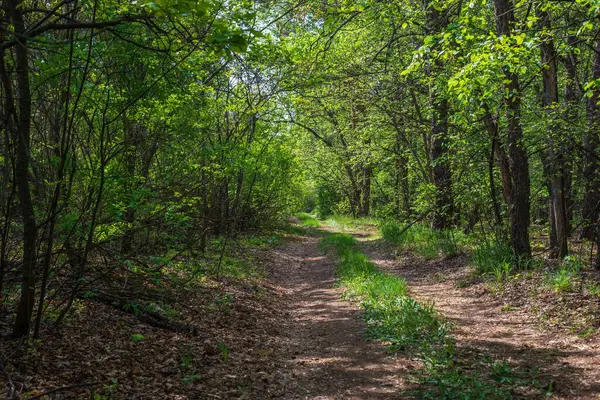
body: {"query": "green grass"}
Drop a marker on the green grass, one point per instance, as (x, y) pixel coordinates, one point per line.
(563, 279)
(308, 220)
(408, 325)
(493, 259)
(347, 223)
(391, 315)
(424, 241)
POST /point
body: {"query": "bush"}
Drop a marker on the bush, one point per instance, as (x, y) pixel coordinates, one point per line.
(562, 280)
(327, 199)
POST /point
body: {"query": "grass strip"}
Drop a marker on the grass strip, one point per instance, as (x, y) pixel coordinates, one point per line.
(408, 325)
(308, 220)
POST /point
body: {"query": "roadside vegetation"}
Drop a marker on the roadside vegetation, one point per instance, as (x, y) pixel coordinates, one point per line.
(559, 292)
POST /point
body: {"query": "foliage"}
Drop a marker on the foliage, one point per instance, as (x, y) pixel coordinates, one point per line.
(424, 241)
(488, 258)
(564, 278)
(344, 222)
(308, 220)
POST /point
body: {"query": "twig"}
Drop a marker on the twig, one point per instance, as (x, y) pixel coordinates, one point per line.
(69, 387)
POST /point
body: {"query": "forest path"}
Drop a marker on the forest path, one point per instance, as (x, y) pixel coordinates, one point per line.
(571, 365)
(328, 355)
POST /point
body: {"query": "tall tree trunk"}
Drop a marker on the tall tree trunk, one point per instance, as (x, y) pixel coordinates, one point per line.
(500, 155)
(572, 97)
(493, 195)
(402, 191)
(552, 159)
(519, 163)
(365, 206)
(355, 195)
(591, 144)
(442, 176)
(22, 139)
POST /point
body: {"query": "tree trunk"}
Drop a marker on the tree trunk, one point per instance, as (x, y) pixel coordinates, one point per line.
(591, 143)
(572, 98)
(551, 157)
(501, 156)
(22, 139)
(493, 195)
(442, 176)
(519, 163)
(129, 159)
(355, 195)
(402, 195)
(365, 206)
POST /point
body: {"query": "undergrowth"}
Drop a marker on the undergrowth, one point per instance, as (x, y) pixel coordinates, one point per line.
(308, 220)
(424, 241)
(493, 259)
(408, 325)
(346, 223)
(564, 278)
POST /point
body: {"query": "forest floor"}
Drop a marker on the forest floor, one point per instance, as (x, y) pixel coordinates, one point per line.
(291, 336)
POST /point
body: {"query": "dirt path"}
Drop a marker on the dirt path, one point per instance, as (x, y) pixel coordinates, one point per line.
(329, 357)
(570, 364)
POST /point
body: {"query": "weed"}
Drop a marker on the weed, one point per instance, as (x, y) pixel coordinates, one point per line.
(137, 337)
(589, 331)
(572, 263)
(308, 220)
(593, 289)
(424, 241)
(224, 302)
(561, 280)
(408, 325)
(191, 378)
(186, 357)
(346, 223)
(132, 308)
(502, 272)
(224, 351)
(490, 256)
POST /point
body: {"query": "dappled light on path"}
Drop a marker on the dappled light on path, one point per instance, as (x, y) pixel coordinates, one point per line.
(329, 355)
